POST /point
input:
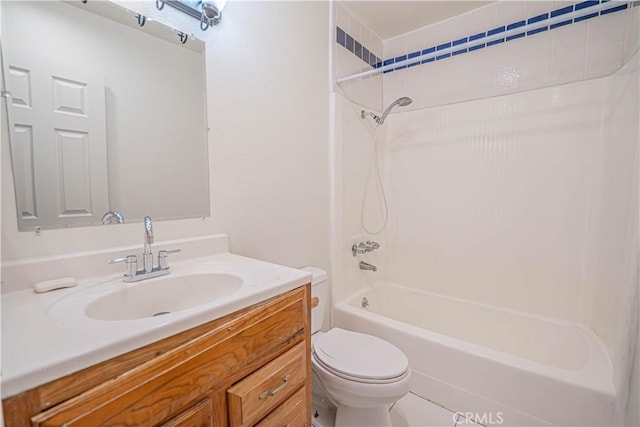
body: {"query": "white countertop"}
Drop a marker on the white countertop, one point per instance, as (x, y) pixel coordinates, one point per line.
(46, 336)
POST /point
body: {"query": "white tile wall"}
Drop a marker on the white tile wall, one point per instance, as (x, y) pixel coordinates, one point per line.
(614, 264)
(523, 201)
(535, 8)
(353, 148)
(505, 188)
(509, 11)
(568, 52)
(632, 33)
(520, 200)
(367, 91)
(589, 49)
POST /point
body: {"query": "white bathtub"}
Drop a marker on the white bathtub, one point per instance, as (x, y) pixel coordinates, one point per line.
(499, 364)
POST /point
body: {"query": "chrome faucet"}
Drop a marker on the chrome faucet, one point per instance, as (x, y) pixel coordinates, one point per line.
(363, 248)
(147, 255)
(148, 270)
(111, 217)
(367, 266)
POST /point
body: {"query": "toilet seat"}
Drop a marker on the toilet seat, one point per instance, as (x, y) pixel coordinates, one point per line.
(359, 357)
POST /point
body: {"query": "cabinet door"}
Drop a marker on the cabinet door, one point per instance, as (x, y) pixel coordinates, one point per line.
(292, 413)
(262, 391)
(199, 415)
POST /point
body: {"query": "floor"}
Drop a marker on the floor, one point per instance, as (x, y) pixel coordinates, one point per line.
(414, 411)
(410, 411)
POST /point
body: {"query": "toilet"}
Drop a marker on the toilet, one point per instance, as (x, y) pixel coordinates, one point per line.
(361, 374)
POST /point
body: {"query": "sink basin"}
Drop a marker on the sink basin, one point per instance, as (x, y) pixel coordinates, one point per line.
(163, 295)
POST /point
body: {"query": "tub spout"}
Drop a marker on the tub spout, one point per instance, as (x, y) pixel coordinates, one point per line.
(367, 266)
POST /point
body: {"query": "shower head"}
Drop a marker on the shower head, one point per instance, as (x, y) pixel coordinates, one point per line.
(404, 101)
(400, 102)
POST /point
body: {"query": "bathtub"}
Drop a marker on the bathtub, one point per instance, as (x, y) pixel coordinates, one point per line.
(501, 366)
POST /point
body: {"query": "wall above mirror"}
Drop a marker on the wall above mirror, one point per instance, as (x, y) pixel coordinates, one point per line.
(107, 112)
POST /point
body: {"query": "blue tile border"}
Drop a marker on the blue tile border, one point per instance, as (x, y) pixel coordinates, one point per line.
(585, 4)
(614, 9)
(358, 49)
(345, 40)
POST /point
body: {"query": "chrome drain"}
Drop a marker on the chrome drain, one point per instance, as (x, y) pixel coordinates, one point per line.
(160, 313)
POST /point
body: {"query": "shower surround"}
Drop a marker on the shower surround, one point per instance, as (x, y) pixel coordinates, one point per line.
(512, 183)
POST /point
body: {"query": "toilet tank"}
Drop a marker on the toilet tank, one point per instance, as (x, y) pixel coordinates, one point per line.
(319, 289)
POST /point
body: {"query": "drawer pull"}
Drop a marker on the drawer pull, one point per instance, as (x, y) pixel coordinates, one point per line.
(276, 390)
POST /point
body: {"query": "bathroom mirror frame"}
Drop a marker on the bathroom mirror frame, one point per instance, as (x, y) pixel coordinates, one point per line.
(178, 189)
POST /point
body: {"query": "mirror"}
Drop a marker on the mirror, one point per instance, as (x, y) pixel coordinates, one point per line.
(105, 114)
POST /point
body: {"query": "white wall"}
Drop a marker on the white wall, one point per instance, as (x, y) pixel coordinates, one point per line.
(268, 97)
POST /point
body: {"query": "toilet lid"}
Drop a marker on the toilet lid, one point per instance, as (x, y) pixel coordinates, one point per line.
(359, 355)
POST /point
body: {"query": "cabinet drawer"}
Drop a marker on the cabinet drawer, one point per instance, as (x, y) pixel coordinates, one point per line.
(292, 413)
(199, 415)
(256, 395)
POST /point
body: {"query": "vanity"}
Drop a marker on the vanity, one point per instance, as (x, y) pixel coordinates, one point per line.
(239, 359)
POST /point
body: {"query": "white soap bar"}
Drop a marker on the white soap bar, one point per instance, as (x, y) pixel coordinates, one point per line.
(52, 285)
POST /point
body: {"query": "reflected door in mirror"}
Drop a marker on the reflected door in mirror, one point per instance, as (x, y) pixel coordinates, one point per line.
(58, 134)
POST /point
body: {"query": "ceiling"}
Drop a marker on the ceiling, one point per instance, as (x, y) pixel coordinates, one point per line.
(391, 18)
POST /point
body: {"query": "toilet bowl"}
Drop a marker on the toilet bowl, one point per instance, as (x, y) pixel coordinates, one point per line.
(361, 374)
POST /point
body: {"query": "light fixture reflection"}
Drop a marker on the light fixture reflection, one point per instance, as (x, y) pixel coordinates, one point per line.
(211, 13)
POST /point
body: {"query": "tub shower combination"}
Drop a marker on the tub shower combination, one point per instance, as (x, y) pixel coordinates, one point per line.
(487, 360)
(511, 178)
(500, 364)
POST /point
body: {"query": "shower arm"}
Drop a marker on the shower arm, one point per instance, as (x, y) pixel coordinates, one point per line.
(400, 102)
(364, 114)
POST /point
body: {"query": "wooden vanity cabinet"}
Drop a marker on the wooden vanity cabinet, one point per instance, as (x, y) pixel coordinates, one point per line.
(247, 368)
(199, 415)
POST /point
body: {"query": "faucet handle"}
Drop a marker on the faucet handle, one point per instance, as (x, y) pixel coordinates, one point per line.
(128, 259)
(171, 251)
(372, 245)
(132, 264)
(162, 257)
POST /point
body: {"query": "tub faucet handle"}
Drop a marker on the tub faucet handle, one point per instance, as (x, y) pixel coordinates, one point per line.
(363, 248)
(360, 248)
